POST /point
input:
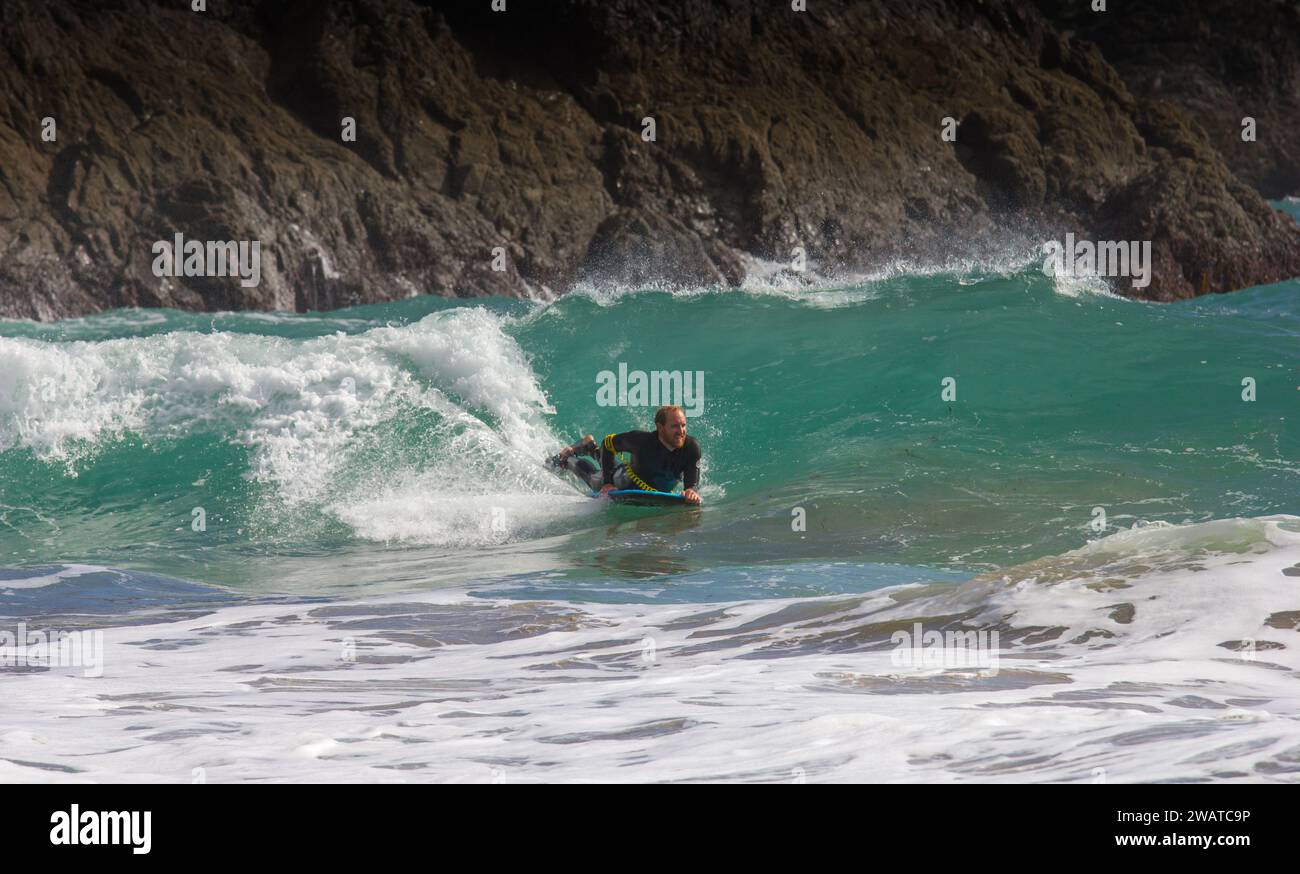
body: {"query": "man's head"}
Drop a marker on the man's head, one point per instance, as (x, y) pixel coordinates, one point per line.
(670, 422)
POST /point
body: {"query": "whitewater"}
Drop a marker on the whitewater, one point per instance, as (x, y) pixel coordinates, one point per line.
(321, 547)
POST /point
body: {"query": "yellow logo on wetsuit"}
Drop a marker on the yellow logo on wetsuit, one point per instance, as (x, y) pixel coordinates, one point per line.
(627, 467)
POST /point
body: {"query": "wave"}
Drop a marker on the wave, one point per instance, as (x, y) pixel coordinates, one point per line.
(420, 424)
(1162, 653)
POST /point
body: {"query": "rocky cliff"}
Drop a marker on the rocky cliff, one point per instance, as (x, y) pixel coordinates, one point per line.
(526, 133)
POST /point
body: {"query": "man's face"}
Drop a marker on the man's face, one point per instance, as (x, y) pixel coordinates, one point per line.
(673, 431)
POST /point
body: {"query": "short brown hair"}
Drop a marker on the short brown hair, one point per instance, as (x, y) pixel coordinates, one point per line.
(661, 414)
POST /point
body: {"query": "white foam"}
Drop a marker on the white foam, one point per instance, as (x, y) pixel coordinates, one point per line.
(1077, 285)
(428, 511)
(826, 287)
(64, 572)
(449, 688)
(300, 406)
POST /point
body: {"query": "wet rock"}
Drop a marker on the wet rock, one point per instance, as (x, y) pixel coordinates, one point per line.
(507, 153)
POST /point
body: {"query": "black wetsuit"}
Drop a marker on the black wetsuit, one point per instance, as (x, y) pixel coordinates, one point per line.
(653, 466)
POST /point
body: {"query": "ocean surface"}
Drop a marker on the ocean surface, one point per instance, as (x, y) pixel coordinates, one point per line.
(323, 547)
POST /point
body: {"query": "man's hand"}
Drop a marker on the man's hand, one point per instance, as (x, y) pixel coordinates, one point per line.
(573, 450)
(691, 496)
(606, 489)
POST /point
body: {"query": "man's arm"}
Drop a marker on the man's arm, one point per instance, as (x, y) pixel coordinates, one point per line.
(690, 477)
(691, 473)
(612, 445)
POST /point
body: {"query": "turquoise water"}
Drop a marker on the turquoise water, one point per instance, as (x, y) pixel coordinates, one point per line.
(395, 447)
(323, 546)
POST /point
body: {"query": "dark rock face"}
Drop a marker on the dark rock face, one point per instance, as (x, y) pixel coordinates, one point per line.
(519, 140)
(1218, 60)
